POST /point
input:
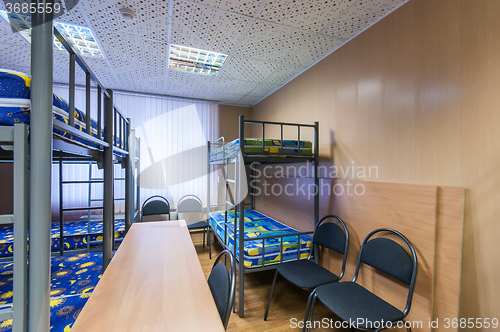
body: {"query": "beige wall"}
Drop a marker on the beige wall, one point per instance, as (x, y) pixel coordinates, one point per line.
(417, 96)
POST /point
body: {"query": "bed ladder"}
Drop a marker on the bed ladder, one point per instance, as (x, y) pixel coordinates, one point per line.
(18, 312)
(91, 200)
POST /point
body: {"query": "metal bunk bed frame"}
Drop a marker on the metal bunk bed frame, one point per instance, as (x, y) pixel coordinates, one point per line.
(34, 148)
(239, 204)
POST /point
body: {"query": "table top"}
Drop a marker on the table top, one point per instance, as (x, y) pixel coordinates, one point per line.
(154, 283)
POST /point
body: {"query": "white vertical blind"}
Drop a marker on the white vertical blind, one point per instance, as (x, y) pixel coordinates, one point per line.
(173, 135)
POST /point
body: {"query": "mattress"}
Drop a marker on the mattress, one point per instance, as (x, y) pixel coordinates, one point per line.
(15, 93)
(258, 224)
(70, 228)
(253, 146)
(73, 279)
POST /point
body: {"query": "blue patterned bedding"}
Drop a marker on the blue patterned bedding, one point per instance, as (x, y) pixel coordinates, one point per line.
(70, 228)
(258, 224)
(15, 106)
(253, 146)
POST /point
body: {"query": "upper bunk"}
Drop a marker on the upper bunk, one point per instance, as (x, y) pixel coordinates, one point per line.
(265, 150)
(76, 135)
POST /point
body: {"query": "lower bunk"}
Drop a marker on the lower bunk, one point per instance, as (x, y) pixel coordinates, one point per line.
(267, 242)
(73, 278)
(76, 230)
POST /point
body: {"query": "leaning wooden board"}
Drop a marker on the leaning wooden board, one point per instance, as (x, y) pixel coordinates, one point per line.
(154, 283)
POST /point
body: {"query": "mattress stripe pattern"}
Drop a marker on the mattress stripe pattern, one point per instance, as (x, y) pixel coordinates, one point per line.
(258, 224)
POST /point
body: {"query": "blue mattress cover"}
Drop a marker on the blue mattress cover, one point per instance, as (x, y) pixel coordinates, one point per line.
(15, 93)
(257, 225)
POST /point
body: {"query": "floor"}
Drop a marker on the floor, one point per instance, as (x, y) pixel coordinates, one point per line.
(288, 302)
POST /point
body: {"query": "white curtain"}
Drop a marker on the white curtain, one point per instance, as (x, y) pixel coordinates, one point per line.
(173, 135)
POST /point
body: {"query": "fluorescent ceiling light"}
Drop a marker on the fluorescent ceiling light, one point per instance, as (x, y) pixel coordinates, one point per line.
(194, 60)
(80, 37)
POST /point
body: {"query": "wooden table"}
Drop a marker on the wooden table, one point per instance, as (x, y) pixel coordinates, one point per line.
(154, 283)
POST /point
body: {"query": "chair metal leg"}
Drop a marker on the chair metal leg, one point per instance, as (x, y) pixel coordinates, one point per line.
(271, 295)
(203, 240)
(209, 243)
(308, 307)
(311, 310)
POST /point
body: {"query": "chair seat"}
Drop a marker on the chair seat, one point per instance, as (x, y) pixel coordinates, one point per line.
(306, 274)
(197, 225)
(350, 301)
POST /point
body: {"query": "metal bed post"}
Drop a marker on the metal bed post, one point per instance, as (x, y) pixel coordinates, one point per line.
(41, 162)
(209, 242)
(241, 209)
(71, 89)
(20, 291)
(99, 111)
(316, 185)
(89, 205)
(61, 210)
(108, 206)
(129, 192)
(88, 127)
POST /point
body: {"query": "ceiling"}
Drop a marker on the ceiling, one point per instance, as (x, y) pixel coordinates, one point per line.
(269, 42)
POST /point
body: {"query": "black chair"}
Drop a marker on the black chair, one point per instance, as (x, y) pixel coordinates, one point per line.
(191, 203)
(155, 205)
(306, 273)
(350, 301)
(222, 284)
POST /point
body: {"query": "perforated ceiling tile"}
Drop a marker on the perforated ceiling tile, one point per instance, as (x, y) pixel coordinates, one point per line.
(132, 50)
(15, 56)
(263, 89)
(247, 7)
(150, 22)
(9, 37)
(248, 69)
(308, 15)
(74, 16)
(223, 98)
(183, 92)
(360, 16)
(315, 49)
(249, 100)
(284, 74)
(206, 28)
(270, 41)
(189, 81)
(236, 87)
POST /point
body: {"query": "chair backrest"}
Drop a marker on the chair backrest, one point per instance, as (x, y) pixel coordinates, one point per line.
(155, 205)
(190, 203)
(390, 257)
(332, 236)
(222, 284)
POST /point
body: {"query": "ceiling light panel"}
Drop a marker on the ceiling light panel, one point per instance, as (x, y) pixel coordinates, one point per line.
(360, 16)
(248, 7)
(271, 41)
(134, 50)
(248, 69)
(311, 15)
(193, 60)
(151, 20)
(206, 28)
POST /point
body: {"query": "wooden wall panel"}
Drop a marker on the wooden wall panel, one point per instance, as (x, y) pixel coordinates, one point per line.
(410, 209)
(416, 95)
(450, 214)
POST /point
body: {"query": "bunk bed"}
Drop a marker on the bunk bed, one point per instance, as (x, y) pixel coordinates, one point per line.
(266, 242)
(28, 110)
